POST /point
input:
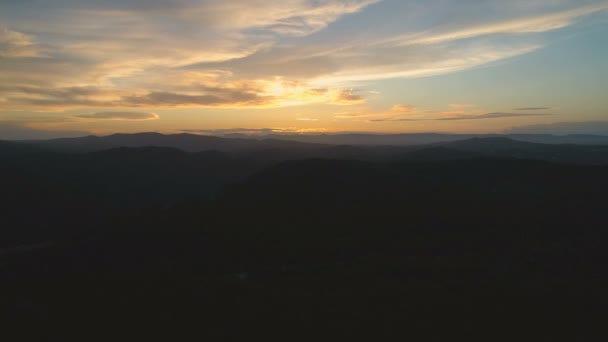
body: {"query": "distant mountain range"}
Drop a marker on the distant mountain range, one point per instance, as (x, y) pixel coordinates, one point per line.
(278, 148)
(426, 138)
(240, 142)
(185, 142)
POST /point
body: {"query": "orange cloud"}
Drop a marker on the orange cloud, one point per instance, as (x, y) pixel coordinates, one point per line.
(135, 116)
(198, 91)
(15, 44)
(401, 108)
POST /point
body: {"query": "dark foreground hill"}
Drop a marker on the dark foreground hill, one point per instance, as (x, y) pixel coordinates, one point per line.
(230, 246)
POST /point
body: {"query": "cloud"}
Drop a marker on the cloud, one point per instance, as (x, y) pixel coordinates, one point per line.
(19, 130)
(253, 131)
(389, 62)
(348, 97)
(207, 93)
(221, 97)
(354, 115)
(534, 24)
(395, 113)
(532, 108)
(345, 62)
(399, 119)
(497, 115)
(220, 132)
(451, 116)
(120, 116)
(401, 108)
(564, 128)
(252, 53)
(287, 17)
(50, 98)
(14, 44)
(197, 95)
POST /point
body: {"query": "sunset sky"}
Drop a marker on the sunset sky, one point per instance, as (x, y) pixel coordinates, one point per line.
(75, 67)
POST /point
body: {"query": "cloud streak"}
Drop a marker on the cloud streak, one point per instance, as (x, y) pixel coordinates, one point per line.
(15, 44)
(287, 17)
(532, 108)
(251, 131)
(226, 98)
(460, 117)
(497, 115)
(401, 108)
(135, 116)
(534, 24)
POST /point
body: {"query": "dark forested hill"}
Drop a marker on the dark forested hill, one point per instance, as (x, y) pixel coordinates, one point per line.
(247, 236)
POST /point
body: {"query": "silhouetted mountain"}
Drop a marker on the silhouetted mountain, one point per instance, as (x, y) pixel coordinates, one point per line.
(18, 150)
(425, 138)
(275, 150)
(465, 221)
(265, 234)
(508, 148)
(439, 153)
(373, 139)
(185, 142)
(97, 184)
(574, 139)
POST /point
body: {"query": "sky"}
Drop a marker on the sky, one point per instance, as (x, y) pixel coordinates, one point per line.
(78, 67)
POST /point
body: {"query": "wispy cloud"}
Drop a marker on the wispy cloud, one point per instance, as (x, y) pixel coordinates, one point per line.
(250, 53)
(497, 115)
(287, 17)
(167, 99)
(15, 44)
(254, 131)
(398, 120)
(458, 113)
(534, 24)
(205, 93)
(348, 97)
(120, 116)
(401, 108)
(532, 108)
(220, 132)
